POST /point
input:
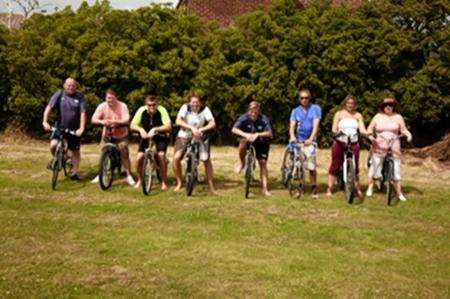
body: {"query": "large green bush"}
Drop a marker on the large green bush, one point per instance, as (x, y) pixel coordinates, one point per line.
(386, 47)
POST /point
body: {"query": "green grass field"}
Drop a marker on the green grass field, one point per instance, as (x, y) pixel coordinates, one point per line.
(79, 241)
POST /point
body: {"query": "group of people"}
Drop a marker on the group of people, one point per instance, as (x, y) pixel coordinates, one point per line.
(195, 121)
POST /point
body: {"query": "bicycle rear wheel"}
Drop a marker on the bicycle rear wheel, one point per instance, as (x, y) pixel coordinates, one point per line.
(56, 166)
(350, 183)
(67, 165)
(190, 175)
(286, 168)
(389, 179)
(106, 172)
(147, 175)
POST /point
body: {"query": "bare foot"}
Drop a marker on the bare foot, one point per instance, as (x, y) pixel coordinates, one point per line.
(329, 192)
(137, 185)
(177, 188)
(360, 194)
(266, 193)
(213, 192)
(164, 187)
(238, 168)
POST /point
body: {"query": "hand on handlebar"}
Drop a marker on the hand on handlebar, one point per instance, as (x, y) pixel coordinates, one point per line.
(79, 132)
(292, 140)
(46, 126)
(251, 137)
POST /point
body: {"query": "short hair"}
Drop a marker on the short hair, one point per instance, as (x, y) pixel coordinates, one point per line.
(194, 95)
(151, 98)
(254, 104)
(349, 97)
(386, 100)
(111, 92)
(306, 91)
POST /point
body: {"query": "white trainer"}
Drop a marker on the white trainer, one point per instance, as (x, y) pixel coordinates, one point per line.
(369, 192)
(130, 180)
(401, 197)
(95, 180)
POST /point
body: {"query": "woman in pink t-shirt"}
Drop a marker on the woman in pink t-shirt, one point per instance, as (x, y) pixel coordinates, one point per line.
(385, 126)
(113, 113)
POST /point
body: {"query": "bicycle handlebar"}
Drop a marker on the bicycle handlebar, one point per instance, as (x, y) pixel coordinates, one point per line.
(65, 131)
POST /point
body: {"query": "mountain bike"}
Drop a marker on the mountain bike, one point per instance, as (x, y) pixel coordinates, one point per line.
(387, 172)
(192, 162)
(293, 171)
(346, 177)
(110, 160)
(150, 168)
(62, 159)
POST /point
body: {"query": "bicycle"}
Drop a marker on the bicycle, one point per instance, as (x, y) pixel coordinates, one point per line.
(110, 160)
(192, 162)
(387, 172)
(346, 178)
(249, 167)
(150, 169)
(294, 169)
(62, 159)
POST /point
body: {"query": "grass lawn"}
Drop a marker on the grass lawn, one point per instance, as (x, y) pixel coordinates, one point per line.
(79, 241)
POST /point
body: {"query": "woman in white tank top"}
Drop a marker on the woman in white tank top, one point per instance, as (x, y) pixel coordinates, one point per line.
(349, 122)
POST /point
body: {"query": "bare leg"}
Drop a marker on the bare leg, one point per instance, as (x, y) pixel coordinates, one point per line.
(139, 166)
(126, 160)
(177, 170)
(75, 161)
(398, 187)
(163, 169)
(264, 173)
(331, 182)
(242, 151)
(53, 144)
(209, 175)
(313, 177)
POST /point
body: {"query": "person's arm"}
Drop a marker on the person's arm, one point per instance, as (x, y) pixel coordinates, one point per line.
(292, 127)
(361, 125)
(316, 122)
(211, 125)
(334, 127)
(136, 123)
(45, 123)
(404, 130)
(125, 120)
(268, 132)
(97, 117)
(82, 127)
(166, 127)
(239, 132)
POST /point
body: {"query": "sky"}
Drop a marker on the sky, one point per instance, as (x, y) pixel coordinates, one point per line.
(120, 4)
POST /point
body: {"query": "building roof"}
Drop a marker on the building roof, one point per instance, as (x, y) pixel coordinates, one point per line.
(16, 20)
(225, 11)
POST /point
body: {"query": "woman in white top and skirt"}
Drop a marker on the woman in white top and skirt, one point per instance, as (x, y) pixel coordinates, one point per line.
(349, 122)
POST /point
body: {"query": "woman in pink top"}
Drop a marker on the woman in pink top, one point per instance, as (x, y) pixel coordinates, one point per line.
(385, 126)
(113, 113)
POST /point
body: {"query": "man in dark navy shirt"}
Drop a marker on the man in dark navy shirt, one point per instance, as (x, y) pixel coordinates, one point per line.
(71, 107)
(254, 128)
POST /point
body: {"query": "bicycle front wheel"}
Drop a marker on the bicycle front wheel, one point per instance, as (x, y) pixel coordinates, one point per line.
(350, 182)
(56, 167)
(106, 172)
(190, 175)
(248, 173)
(390, 183)
(147, 175)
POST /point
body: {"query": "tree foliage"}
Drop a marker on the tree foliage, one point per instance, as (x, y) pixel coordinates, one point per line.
(385, 47)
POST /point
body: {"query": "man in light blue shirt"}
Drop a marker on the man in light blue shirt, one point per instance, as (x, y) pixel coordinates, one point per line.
(304, 125)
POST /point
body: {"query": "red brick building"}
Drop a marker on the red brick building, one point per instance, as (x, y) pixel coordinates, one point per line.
(225, 11)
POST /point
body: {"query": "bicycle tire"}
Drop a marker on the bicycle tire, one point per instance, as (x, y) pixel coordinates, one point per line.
(106, 171)
(190, 176)
(67, 166)
(248, 172)
(286, 167)
(350, 183)
(56, 166)
(147, 175)
(389, 183)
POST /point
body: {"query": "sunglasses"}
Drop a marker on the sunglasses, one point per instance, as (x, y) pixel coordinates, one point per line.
(389, 105)
(304, 98)
(151, 105)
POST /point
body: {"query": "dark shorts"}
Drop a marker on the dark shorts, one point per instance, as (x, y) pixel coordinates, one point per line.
(337, 157)
(161, 144)
(262, 148)
(73, 142)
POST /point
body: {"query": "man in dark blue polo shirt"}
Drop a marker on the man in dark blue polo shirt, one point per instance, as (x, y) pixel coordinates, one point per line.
(254, 128)
(71, 107)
